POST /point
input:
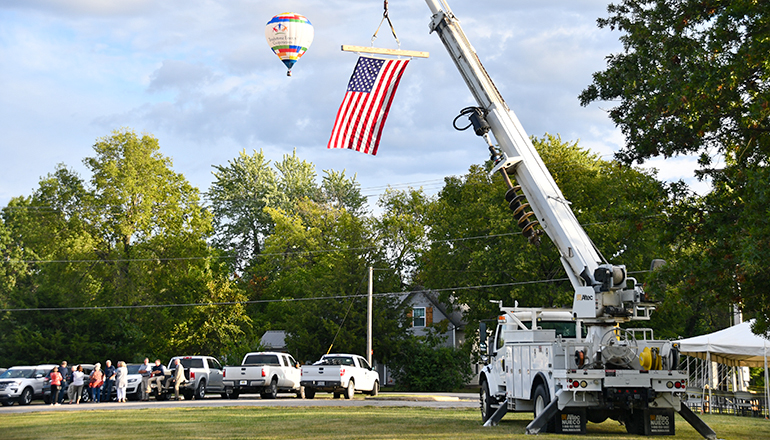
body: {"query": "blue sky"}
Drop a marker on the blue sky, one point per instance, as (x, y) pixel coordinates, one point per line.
(199, 76)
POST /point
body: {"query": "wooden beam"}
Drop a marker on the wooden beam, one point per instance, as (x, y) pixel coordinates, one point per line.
(380, 51)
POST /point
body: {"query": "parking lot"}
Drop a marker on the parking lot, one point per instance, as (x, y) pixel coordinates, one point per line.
(427, 400)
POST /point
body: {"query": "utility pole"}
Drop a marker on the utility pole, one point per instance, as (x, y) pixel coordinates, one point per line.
(369, 319)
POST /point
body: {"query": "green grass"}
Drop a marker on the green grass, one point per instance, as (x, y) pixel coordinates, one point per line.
(308, 422)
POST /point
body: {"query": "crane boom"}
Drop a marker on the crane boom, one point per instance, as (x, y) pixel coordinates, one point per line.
(601, 291)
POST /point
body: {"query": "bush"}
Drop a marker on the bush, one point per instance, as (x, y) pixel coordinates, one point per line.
(425, 364)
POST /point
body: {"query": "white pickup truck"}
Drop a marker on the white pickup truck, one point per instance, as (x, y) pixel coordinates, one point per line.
(266, 373)
(341, 374)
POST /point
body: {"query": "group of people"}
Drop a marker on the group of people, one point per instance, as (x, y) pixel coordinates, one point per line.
(99, 382)
(156, 374)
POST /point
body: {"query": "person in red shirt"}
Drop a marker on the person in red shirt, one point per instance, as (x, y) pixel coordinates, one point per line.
(56, 379)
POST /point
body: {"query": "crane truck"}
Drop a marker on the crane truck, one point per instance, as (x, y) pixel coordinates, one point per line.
(566, 366)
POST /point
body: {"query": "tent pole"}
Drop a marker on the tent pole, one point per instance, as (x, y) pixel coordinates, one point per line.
(767, 388)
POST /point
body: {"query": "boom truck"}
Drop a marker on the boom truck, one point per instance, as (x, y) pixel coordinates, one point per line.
(566, 366)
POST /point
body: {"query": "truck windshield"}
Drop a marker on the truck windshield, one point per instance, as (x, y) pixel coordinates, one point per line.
(337, 360)
(191, 363)
(262, 359)
(563, 329)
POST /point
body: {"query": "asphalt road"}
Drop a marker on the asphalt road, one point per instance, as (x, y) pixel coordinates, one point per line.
(427, 400)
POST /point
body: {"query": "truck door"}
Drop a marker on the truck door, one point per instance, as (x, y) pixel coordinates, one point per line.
(500, 361)
(215, 374)
(293, 373)
(369, 375)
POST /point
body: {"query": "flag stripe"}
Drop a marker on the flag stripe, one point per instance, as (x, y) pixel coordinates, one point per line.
(361, 117)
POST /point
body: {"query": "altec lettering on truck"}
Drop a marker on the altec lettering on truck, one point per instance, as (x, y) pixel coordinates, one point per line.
(566, 366)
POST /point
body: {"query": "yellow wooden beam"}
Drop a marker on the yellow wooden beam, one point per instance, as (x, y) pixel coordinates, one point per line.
(380, 51)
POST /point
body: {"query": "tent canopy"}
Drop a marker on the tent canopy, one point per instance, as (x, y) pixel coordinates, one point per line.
(735, 346)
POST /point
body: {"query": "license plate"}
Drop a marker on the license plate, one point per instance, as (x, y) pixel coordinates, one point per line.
(244, 382)
(321, 383)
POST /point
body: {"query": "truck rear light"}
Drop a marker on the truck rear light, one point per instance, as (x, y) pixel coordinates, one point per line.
(575, 384)
(192, 375)
(224, 373)
(263, 373)
(342, 371)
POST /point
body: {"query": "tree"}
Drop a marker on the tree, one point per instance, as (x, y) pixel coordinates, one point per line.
(693, 78)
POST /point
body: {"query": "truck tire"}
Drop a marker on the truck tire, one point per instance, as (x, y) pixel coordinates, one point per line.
(486, 402)
(351, 390)
(541, 399)
(375, 389)
(309, 393)
(200, 390)
(270, 392)
(26, 397)
(233, 394)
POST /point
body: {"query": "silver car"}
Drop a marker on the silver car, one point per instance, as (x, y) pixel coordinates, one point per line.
(23, 384)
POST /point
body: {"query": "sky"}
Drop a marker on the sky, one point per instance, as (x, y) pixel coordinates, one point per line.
(199, 76)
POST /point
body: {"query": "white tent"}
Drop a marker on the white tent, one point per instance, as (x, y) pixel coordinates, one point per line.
(735, 346)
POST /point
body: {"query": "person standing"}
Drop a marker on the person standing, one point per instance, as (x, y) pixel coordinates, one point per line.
(65, 381)
(78, 378)
(95, 382)
(71, 386)
(121, 380)
(178, 377)
(109, 380)
(145, 370)
(55, 385)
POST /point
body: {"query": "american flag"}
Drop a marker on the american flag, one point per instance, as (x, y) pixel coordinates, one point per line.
(366, 104)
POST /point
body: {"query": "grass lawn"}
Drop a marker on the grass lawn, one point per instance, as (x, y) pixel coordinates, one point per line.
(313, 422)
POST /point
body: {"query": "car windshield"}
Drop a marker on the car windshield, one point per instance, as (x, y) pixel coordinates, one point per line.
(133, 368)
(18, 373)
(261, 359)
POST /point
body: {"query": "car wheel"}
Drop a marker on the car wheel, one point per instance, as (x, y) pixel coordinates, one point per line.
(47, 399)
(26, 397)
(85, 396)
(7, 402)
(351, 391)
(486, 402)
(200, 390)
(309, 393)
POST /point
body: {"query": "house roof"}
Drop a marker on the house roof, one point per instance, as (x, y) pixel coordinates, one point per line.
(455, 317)
(275, 339)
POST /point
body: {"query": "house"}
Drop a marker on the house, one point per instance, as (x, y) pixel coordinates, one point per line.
(426, 311)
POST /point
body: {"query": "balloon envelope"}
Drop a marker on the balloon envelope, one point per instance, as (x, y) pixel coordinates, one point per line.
(289, 35)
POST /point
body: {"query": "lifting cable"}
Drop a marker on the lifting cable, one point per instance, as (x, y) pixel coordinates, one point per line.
(386, 16)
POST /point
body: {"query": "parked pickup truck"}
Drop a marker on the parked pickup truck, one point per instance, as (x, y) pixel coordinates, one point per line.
(341, 374)
(266, 373)
(202, 374)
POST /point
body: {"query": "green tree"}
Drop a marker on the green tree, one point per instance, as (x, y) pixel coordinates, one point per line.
(693, 78)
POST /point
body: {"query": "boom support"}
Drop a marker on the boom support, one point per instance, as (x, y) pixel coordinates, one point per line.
(601, 291)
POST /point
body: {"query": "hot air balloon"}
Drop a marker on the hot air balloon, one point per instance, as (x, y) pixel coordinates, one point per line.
(289, 35)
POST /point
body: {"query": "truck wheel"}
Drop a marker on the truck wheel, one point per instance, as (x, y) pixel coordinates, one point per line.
(309, 393)
(351, 391)
(541, 399)
(234, 394)
(26, 397)
(375, 389)
(270, 392)
(486, 402)
(200, 390)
